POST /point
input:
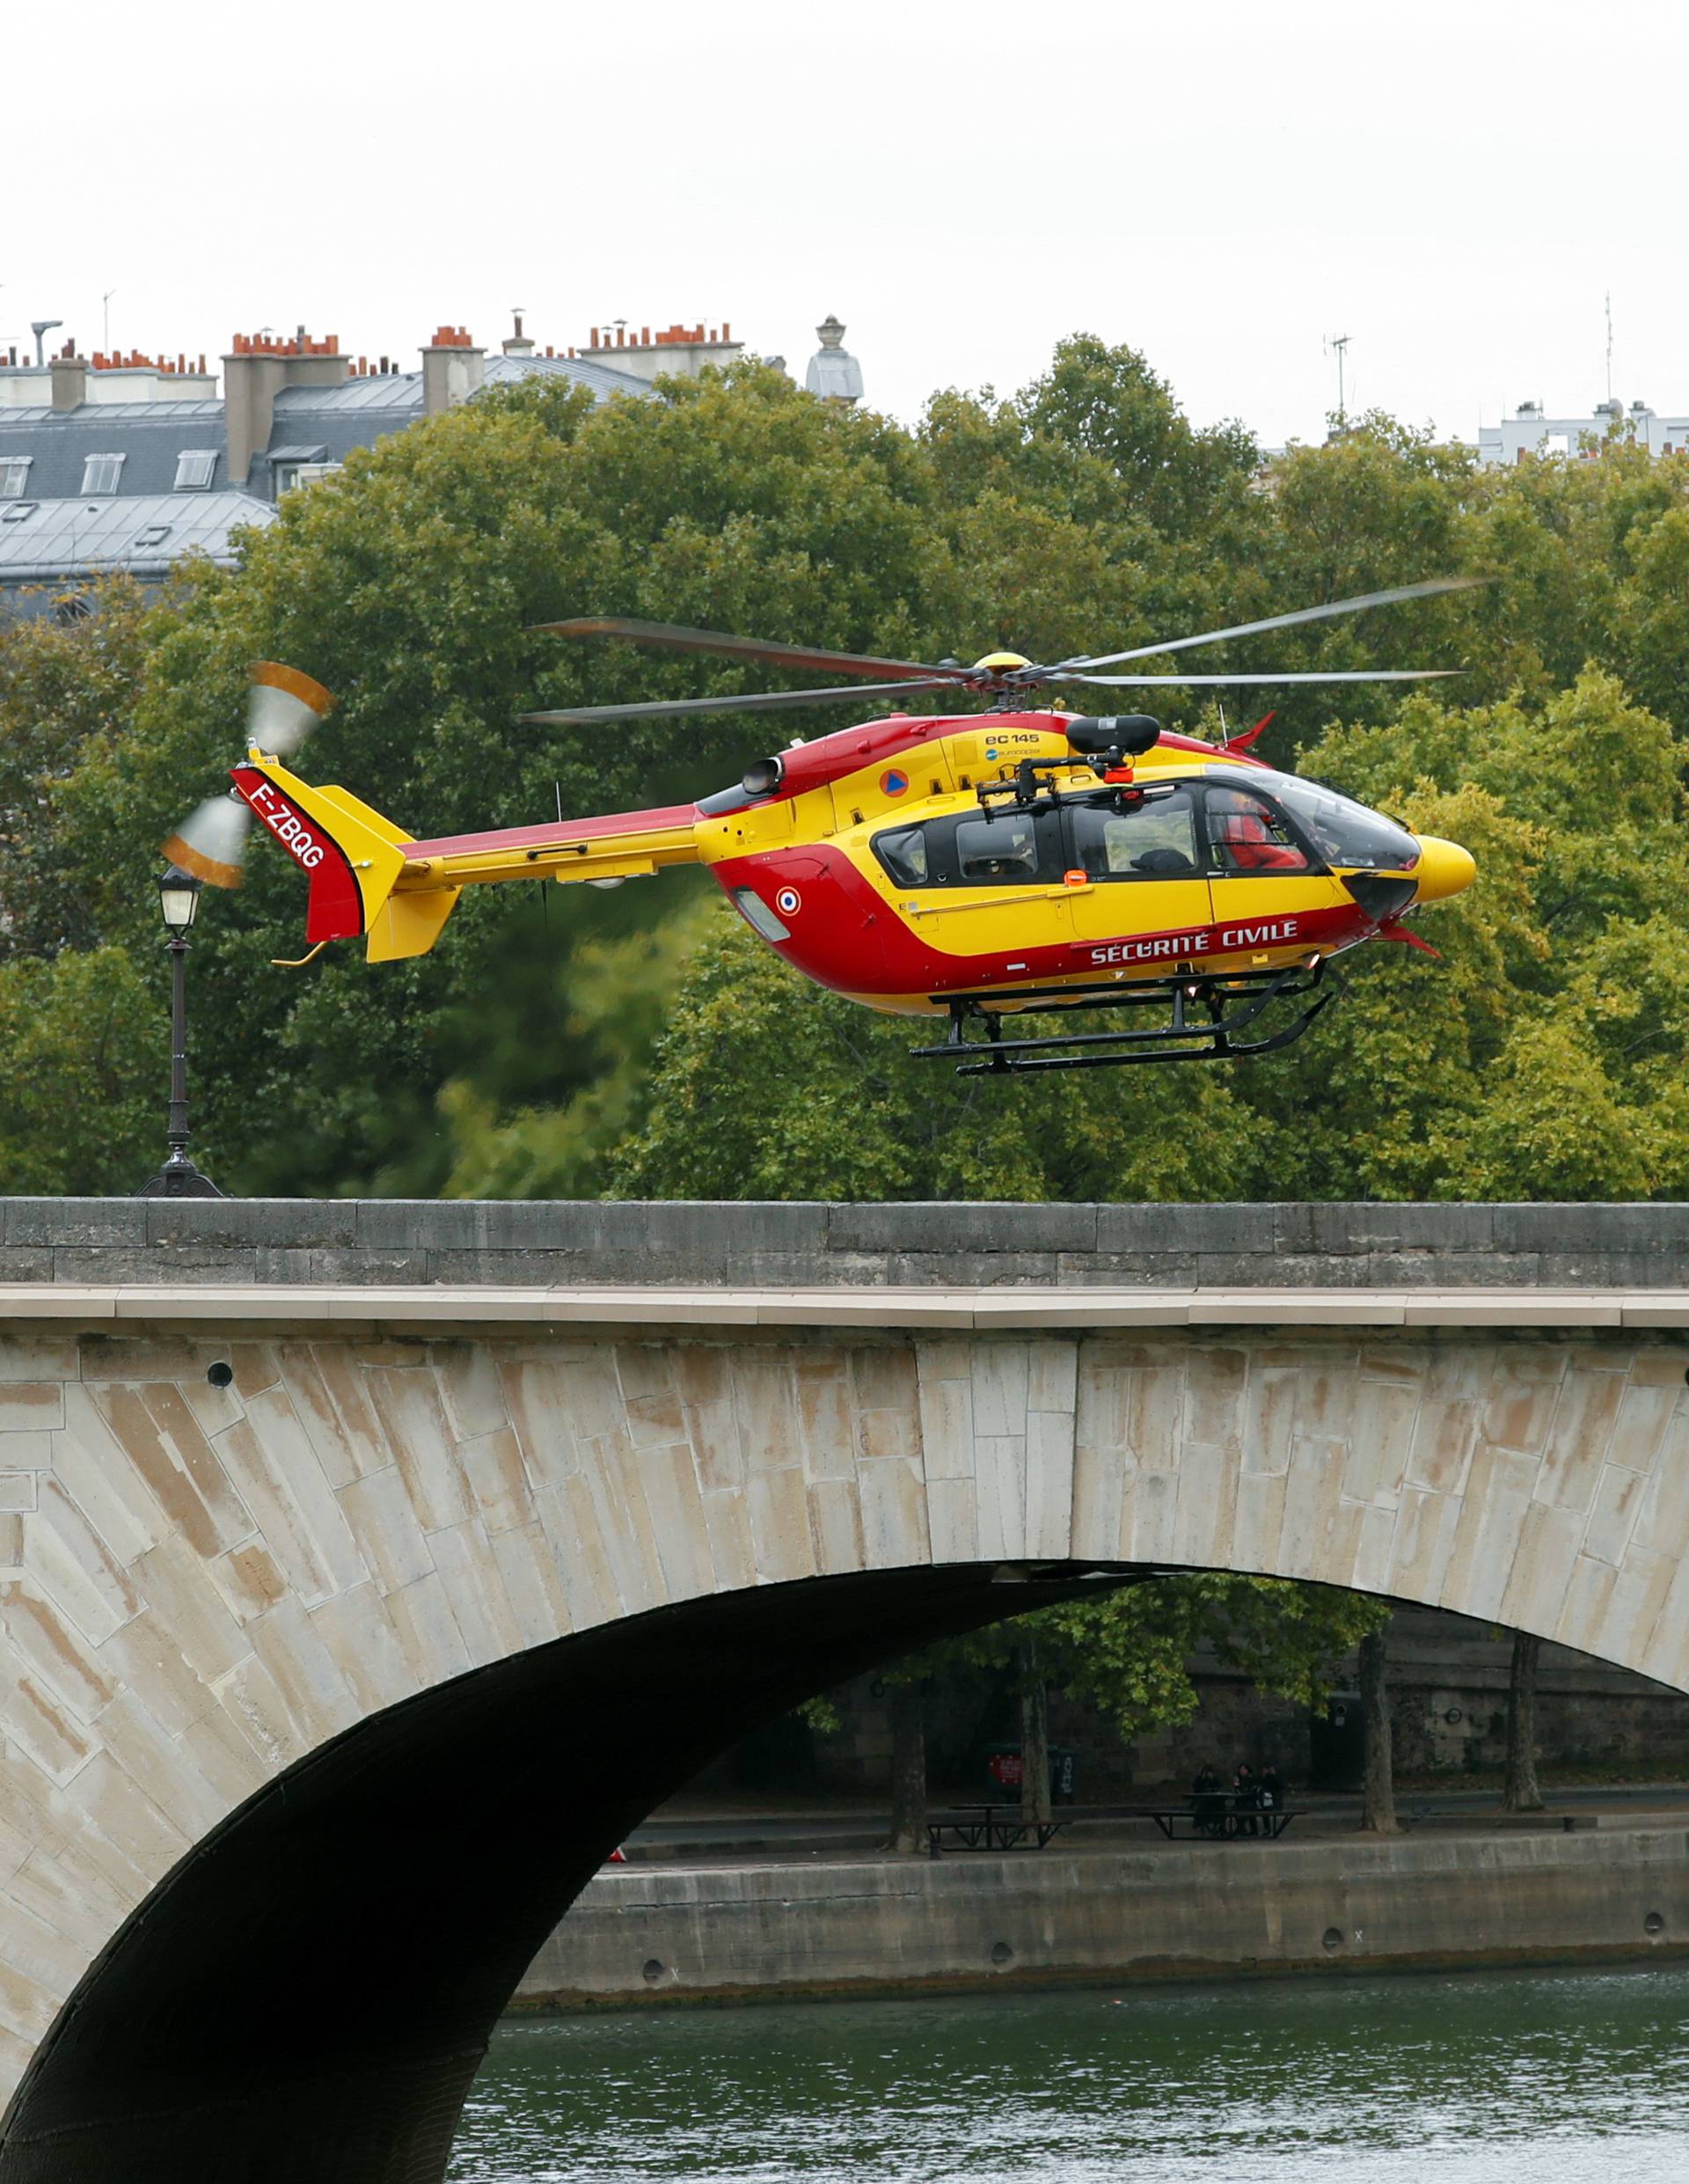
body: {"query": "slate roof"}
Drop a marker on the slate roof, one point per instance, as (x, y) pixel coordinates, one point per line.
(67, 534)
(604, 380)
(331, 421)
(53, 541)
(149, 436)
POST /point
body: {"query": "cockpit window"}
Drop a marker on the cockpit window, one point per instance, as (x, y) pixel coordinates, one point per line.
(1004, 846)
(1246, 836)
(903, 852)
(1153, 841)
(1344, 832)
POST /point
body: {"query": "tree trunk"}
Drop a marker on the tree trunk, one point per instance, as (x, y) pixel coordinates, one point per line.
(1035, 1735)
(1378, 1785)
(1520, 1793)
(909, 1767)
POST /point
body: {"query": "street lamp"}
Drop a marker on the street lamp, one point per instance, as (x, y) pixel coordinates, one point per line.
(179, 902)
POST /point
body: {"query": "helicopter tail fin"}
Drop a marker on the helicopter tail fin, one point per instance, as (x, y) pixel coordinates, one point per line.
(355, 858)
(1249, 735)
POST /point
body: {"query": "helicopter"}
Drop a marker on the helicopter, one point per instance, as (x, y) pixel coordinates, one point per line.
(1012, 871)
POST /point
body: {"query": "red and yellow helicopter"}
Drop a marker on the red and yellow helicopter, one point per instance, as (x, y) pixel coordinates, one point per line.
(1005, 868)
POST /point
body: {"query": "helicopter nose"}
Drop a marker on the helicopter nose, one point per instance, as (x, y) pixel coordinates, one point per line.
(1443, 869)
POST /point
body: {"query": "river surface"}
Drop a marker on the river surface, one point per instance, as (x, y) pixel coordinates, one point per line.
(1556, 2077)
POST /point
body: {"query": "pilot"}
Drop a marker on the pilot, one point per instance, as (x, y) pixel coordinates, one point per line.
(1244, 840)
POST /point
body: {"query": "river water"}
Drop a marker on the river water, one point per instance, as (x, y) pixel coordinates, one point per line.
(1473, 2078)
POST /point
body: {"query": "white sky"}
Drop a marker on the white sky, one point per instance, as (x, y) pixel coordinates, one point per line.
(1453, 186)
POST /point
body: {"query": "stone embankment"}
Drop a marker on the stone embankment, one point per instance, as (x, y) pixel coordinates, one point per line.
(762, 1932)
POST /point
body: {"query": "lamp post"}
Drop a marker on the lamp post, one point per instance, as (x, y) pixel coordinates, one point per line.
(179, 901)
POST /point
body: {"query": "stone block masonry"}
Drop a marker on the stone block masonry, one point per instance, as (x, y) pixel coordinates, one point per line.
(302, 1243)
(643, 1934)
(321, 1527)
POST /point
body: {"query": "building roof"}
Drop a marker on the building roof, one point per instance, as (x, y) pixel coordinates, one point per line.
(56, 541)
(150, 436)
(379, 392)
(604, 380)
(328, 421)
(54, 532)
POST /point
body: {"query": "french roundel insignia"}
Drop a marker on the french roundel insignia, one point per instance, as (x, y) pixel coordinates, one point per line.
(892, 783)
(789, 901)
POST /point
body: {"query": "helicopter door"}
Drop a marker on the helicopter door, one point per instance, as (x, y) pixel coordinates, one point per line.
(995, 882)
(1262, 874)
(1144, 862)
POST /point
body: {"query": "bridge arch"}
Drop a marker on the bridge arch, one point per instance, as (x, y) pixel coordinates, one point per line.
(325, 1688)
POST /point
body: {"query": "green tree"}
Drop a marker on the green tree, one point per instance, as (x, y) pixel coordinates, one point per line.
(1084, 512)
(1542, 1057)
(763, 1085)
(1126, 1650)
(411, 585)
(65, 685)
(85, 1048)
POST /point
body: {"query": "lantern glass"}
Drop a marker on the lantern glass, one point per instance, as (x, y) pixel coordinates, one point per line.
(179, 897)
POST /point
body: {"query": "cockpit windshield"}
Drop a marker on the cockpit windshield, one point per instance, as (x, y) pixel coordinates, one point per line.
(1344, 832)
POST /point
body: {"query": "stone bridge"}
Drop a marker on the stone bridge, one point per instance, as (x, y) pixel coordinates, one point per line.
(367, 1570)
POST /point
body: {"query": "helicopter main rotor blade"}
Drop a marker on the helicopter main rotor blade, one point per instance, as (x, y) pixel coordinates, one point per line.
(762, 701)
(1215, 682)
(1359, 605)
(677, 639)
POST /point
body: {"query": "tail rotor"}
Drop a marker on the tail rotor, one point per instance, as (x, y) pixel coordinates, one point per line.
(282, 708)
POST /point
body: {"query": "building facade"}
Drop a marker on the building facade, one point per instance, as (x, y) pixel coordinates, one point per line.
(1531, 431)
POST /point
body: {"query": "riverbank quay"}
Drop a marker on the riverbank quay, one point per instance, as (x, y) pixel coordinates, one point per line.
(766, 1930)
(681, 1833)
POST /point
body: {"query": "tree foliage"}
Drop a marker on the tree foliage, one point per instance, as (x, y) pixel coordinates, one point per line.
(1127, 1650)
(642, 1042)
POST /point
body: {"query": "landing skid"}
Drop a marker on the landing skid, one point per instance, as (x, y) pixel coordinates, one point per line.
(1205, 1021)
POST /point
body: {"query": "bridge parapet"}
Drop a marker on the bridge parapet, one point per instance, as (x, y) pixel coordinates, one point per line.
(741, 1245)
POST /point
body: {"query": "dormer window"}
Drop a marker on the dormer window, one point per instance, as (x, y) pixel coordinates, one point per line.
(195, 467)
(101, 472)
(14, 477)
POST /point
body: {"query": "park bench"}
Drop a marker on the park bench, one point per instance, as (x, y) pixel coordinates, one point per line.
(988, 1828)
(1216, 1819)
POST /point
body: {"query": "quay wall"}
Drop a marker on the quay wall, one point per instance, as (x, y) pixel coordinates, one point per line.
(641, 1935)
(286, 1241)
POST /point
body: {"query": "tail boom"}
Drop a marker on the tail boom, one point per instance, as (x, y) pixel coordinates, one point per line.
(369, 878)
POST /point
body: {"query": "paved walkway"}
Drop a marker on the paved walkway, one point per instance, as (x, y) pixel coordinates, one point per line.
(685, 1837)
